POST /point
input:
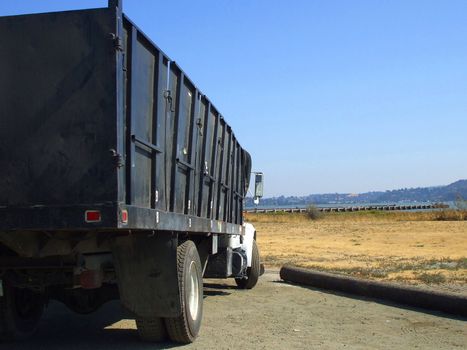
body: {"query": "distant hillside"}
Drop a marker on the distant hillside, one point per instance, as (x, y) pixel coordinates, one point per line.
(421, 194)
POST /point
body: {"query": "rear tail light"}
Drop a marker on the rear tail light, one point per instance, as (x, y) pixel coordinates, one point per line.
(125, 216)
(92, 216)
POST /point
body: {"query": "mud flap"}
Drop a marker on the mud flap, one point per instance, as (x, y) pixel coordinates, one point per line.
(146, 269)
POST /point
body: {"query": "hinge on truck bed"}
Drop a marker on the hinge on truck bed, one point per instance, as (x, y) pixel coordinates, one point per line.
(168, 98)
(117, 158)
(118, 42)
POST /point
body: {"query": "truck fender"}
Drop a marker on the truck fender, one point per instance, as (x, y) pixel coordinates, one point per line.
(248, 238)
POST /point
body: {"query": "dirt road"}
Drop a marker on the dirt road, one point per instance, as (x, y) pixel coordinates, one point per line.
(272, 316)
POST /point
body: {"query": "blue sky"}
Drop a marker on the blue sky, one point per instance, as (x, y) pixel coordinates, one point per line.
(327, 96)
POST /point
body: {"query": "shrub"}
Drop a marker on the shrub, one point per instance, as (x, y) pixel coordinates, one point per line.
(460, 203)
(432, 278)
(450, 215)
(313, 212)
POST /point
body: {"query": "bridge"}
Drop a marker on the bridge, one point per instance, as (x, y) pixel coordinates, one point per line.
(351, 208)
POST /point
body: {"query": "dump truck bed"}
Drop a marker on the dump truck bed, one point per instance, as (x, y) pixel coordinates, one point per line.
(94, 117)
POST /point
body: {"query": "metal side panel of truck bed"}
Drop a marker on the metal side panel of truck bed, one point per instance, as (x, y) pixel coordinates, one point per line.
(95, 119)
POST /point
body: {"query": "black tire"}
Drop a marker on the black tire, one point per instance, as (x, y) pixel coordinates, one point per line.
(20, 312)
(151, 330)
(185, 328)
(82, 301)
(253, 272)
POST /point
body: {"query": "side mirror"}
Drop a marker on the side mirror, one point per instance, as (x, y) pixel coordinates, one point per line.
(259, 181)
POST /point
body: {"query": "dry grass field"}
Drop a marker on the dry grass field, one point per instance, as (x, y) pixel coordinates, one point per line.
(411, 247)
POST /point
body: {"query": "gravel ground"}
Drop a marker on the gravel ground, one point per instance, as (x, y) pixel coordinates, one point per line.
(274, 315)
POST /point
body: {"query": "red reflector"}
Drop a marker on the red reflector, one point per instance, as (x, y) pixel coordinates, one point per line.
(125, 216)
(92, 216)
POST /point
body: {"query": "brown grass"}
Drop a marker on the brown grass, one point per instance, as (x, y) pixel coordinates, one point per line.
(436, 215)
(410, 247)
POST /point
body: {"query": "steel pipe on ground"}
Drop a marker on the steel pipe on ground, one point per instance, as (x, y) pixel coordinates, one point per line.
(446, 302)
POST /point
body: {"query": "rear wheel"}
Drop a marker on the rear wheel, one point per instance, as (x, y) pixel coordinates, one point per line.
(253, 272)
(185, 328)
(20, 312)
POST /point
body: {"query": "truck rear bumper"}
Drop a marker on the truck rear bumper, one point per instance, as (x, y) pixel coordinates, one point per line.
(111, 217)
(57, 218)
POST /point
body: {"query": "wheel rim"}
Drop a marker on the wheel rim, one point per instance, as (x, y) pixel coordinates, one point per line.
(193, 297)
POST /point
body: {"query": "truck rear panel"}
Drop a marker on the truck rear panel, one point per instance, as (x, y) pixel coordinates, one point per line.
(57, 102)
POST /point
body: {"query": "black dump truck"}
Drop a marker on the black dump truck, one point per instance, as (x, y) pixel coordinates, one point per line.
(119, 179)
